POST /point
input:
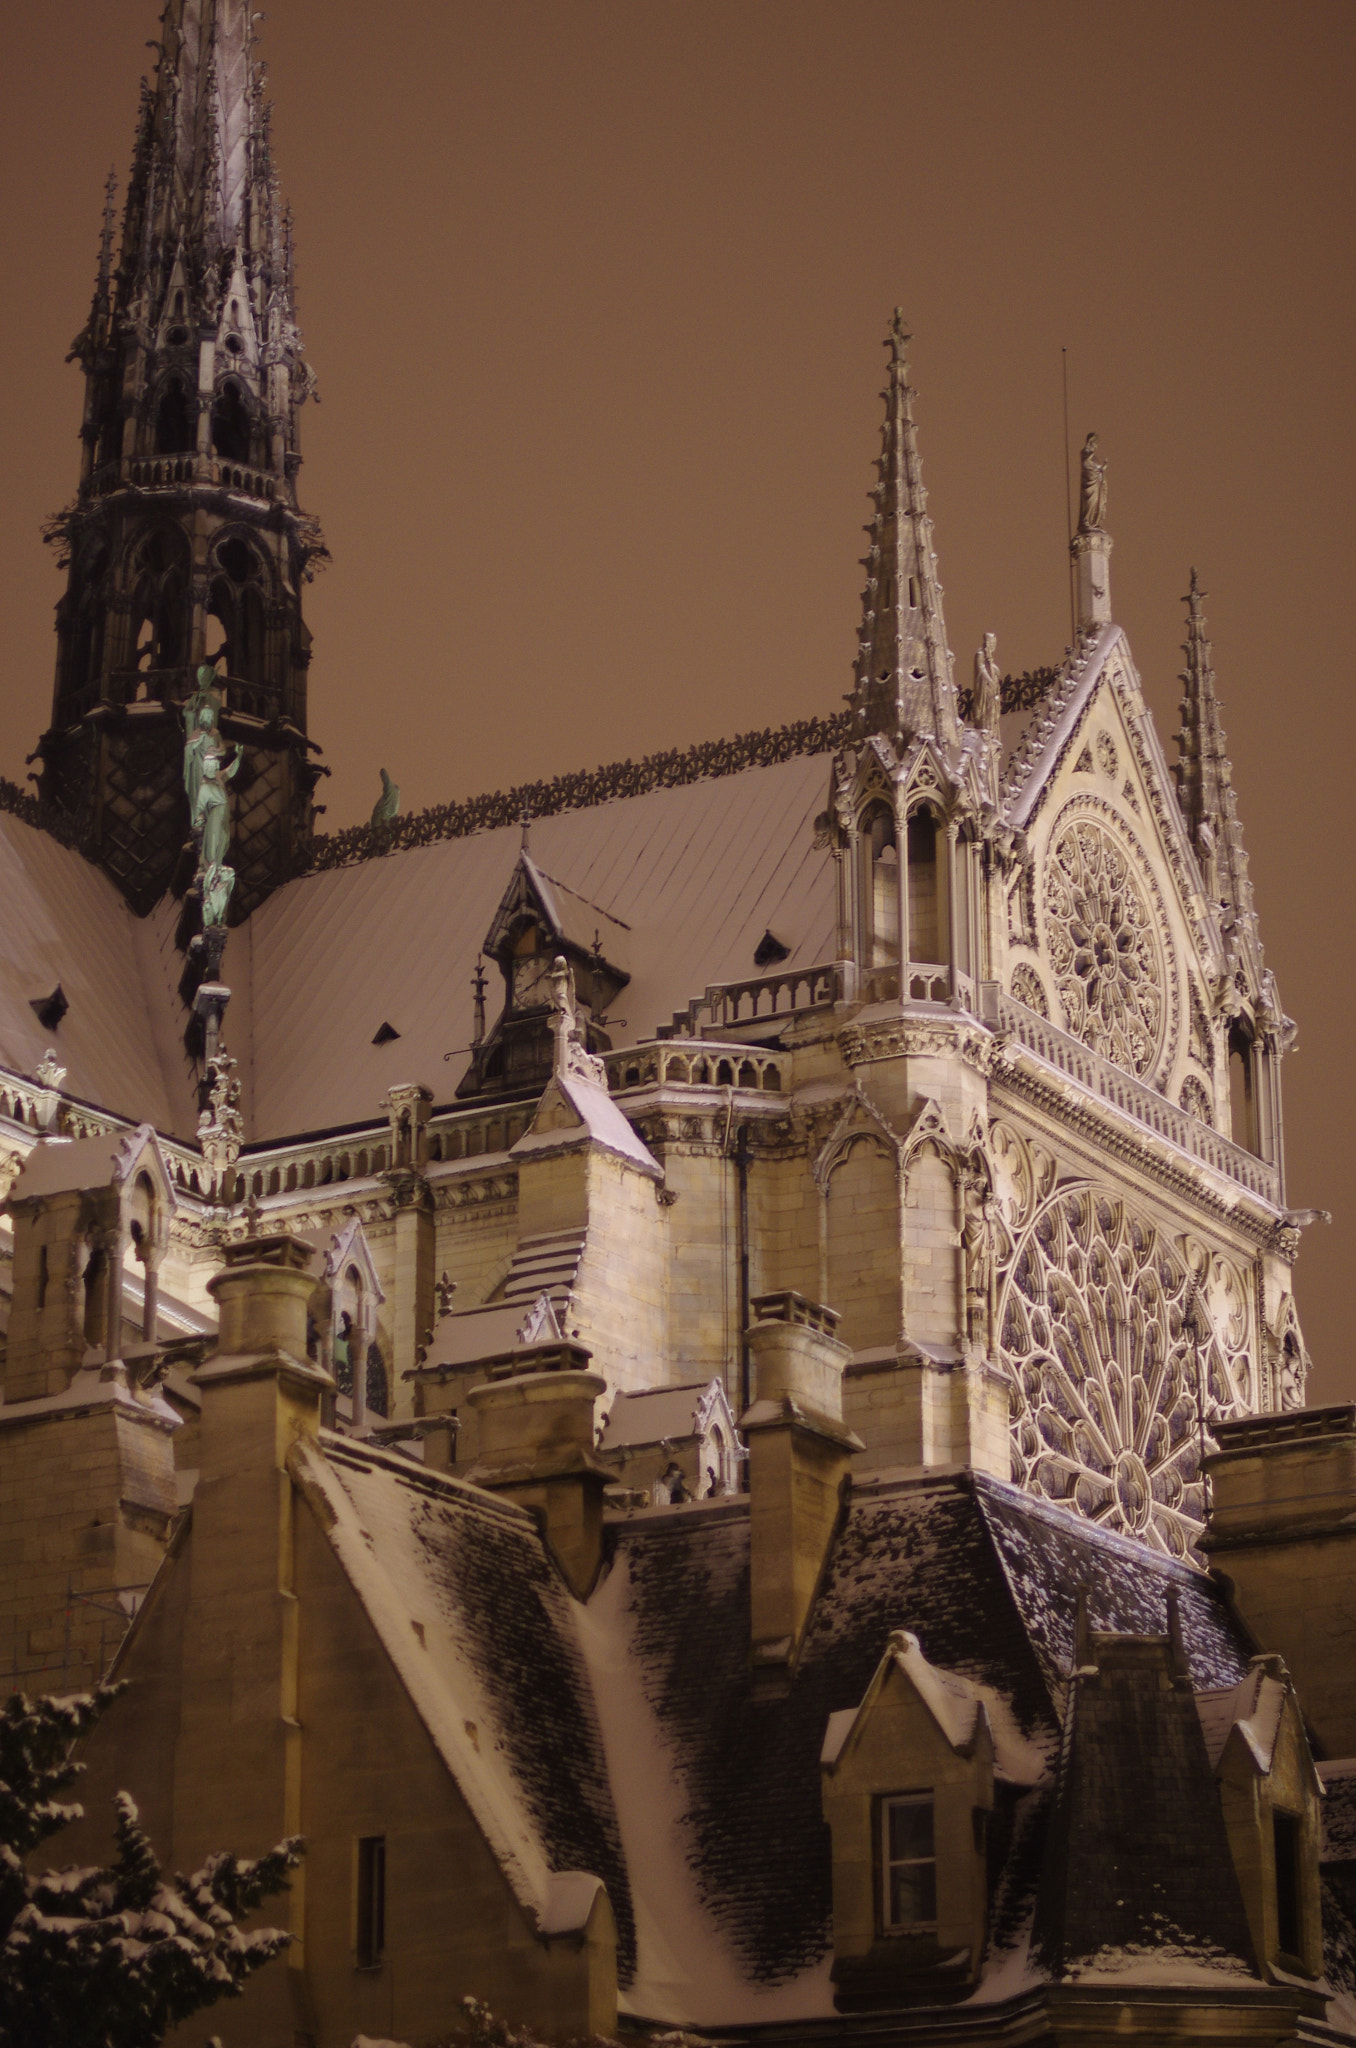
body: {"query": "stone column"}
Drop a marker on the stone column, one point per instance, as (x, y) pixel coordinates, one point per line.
(1092, 578)
(799, 1448)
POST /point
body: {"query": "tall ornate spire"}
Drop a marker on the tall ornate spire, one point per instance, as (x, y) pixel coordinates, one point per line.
(904, 683)
(1204, 777)
(186, 543)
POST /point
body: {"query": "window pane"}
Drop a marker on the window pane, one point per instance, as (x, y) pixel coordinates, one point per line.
(910, 1828)
(1286, 1835)
(913, 1894)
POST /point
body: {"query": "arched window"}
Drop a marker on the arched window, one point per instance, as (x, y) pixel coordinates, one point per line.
(377, 1399)
(883, 887)
(1243, 1121)
(236, 601)
(174, 430)
(231, 424)
(160, 605)
(926, 937)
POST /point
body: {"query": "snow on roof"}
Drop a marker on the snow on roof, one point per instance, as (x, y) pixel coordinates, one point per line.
(576, 1111)
(54, 1168)
(1339, 1810)
(66, 924)
(468, 1334)
(1254, 1707)
(698, 873)
(657, 1415)
(578, 919)
(479, 1628)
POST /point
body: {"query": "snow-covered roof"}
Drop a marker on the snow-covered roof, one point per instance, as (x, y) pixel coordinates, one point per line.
(478, 1626)
(56, 1167)
(657, 1415)
(680, 884)
(1254, 1707)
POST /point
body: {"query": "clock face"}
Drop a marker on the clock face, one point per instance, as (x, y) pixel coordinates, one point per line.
(532, 981)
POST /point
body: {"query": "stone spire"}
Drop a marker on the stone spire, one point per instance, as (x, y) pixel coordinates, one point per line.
(1204, 777)
(904, 684)
(185, 543)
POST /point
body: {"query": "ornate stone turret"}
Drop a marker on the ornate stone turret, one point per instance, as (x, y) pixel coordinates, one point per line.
(1204, 776)
(185, 543)
(904, 684)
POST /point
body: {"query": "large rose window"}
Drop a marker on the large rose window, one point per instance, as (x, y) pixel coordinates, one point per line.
(1103, 948)
(1120, 1361)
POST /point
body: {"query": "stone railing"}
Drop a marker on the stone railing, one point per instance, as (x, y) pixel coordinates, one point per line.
(158, 472)
(692, 1063)
(926, 981)
(765, 999)
(364, 1152)
(1057, 1049)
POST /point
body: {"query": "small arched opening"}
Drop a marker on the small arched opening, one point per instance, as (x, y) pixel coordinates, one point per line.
(231, 424)
(1243, 1117)
(882, 853)
(174, 424)
(927, 940)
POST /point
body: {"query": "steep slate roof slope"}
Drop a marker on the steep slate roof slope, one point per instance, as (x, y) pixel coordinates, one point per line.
(984, 1575)
(480, 1628)
(65, 923)
(1139, 1871)
(698, 872)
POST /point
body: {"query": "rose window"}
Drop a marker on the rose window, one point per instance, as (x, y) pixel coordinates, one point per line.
(1120, 1361)
(1103, 949)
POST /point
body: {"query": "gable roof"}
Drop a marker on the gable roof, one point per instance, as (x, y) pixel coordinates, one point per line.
(478, 1625)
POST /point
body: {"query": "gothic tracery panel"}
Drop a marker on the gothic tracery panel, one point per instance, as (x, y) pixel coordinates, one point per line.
(1107, 943)
(1121, 1357)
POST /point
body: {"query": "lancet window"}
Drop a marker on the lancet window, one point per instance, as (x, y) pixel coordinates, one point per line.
(175, 430)
(927, 939)
(160, 601)
(237, 602)
(883, 887)
(231, 425)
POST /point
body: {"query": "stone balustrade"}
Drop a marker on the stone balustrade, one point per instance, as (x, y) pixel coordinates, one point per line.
(1113, 1085)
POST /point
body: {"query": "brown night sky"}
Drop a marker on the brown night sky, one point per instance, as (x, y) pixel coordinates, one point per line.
(596, 294)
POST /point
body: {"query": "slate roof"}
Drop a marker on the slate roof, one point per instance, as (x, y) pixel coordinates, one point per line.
(479, 1626)
(1138, 1866)
(986, 1578)
(697, 872)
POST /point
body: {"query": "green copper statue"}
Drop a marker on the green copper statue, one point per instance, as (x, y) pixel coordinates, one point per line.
(206, 773)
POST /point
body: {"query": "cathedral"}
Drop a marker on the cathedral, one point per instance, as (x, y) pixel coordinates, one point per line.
(691, 1370)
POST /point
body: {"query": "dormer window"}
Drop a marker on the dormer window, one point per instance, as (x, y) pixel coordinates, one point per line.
(908, 1863)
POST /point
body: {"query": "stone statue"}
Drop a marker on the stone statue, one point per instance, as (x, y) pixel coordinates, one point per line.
(1092, 494)
(987, 700)
(387, 805)
(977, 1243)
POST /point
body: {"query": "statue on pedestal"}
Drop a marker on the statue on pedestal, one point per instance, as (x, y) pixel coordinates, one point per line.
(1092, 490)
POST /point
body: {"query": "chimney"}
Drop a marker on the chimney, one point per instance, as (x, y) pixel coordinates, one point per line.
(1282, 1525)
(799, 1449)
(535, 1418)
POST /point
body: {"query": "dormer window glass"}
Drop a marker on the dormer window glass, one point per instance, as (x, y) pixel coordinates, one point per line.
(908, 1862)
(1285, 1828)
